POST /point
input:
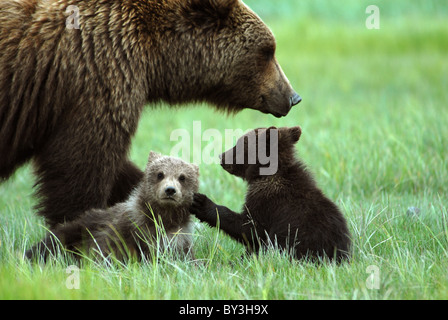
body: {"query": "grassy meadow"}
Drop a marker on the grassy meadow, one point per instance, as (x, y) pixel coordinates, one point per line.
(375, 134)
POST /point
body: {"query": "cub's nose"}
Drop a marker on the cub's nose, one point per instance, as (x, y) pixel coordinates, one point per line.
(170, 191)
(294, 99)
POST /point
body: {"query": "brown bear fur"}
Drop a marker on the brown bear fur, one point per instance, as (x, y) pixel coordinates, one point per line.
(70, 99)
(155, 216)
(285, 209)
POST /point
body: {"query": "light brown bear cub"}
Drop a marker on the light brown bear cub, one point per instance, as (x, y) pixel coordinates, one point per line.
(155, 216)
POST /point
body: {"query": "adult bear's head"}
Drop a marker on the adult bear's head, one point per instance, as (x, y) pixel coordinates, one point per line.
(221, 52)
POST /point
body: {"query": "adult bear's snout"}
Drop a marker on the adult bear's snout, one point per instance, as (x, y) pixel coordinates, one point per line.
(294, 99)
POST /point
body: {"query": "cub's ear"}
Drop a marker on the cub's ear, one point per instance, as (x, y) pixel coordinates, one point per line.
(267, 136)
(207, 13)
(295, 133)
(271, 128)
(195, 168)
(289, 135)
(153, 156)
(271, 131)
(259, 130)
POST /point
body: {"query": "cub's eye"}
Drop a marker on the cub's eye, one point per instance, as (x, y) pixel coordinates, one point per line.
(182, 178)
(160, 175)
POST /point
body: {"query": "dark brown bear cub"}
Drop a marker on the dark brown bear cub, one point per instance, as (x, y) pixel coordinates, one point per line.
(284, 207)
(155, 217)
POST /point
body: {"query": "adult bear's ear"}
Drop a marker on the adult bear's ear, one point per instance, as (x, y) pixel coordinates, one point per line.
(207, 14)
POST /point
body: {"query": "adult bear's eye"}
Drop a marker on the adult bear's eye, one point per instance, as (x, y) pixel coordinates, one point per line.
(182, 178)
(160, 175)
(268, 52)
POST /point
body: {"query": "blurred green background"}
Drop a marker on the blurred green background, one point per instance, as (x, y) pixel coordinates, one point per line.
(346, 11)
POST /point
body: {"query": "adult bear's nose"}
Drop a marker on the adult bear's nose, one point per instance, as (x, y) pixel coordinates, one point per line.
(294, 99)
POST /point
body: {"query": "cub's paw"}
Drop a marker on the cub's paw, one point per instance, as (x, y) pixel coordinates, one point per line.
(202, 206)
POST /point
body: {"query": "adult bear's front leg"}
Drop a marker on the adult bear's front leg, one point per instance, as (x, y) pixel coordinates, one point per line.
(78, 168)
(129, 176)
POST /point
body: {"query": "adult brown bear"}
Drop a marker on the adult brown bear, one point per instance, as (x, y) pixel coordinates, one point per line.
(71, 98)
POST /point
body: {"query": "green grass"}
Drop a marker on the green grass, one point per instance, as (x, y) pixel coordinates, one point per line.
(375, 135)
